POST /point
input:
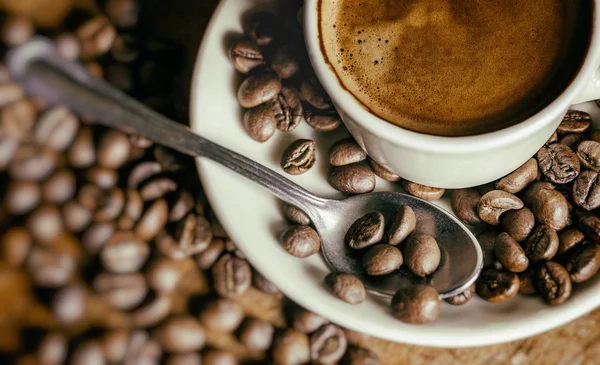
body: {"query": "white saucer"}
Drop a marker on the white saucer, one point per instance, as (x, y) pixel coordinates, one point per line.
(252, 218)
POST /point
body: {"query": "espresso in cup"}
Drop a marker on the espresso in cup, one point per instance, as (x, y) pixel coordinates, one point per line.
(455, 67)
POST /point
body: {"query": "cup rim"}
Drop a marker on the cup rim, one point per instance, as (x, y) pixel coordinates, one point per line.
(350, 106)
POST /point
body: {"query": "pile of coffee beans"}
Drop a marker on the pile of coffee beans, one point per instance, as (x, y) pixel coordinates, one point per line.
(109, 252)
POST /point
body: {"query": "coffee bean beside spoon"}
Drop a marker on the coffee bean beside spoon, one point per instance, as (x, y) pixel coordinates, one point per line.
(37, 65)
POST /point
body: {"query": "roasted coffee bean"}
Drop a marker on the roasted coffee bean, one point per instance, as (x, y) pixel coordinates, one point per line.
(69, 305)
(52, 350)
(518, 223)
(575, 121)
(301, 241)
(16, 30)
(96, 36)
(346, 152)
(306, 321)
(520, 178)
(18, 119)
(10, 93)
(462, 298)
(263, 284)
(232, 276)
(299, 157)
(245, 56)
(542, 244)
(328, 344)
(382, 172)
(416, 304)
(527, 282)
(157, 188)
(314, 94)
(287, 109)
(586, 190)
(90, 196)
(153, 220)
(346, 287)
(360, 356)
(96, 235)
(402, 224)
(125, 48)
(548, 206)
(424, 192)
(180, 335)
(295, 215)
(493, 204)
(583, 262)
(208, 257)
(421, 254)
(291, 348)
(259, 88)
(256, 334)
(595, 136)
(56, 128)
(285, 61)
(190, 358)
(164, 275)
(572, 141)
(382, 259)
(111, 206)
(124, 253)
(558, 163)
(169, 160)
(321, 121)
(22, 197)
(352, 179)
(123, 13)
(589, 154)
(68, 46)
(113, 149)
(497, 286)
(115, 344)
(139, 141)
(45, 223)
(260, 122)
(152, 313)
(15, 244)
(464, 204)
(142, 349)
(182, 206)
(195, 234)
(82, 152)
(590, 226)
(366, 231)
(221, 315)
(553, 283)
(88, 353)
(141, 172)
(261, 28)
(31, 162)
(8, 147)
(568, 239)
(104, 178)
(121, 291)
(218, 357)
(510, 254)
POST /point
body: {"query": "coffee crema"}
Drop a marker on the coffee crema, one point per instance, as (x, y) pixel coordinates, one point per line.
(455, 67)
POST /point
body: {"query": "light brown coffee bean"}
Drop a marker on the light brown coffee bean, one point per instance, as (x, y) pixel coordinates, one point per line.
(497, 286)
(59, 187)
(549, 206)
(586, 190)
(572, 140)
(141, 172)
(245, 56)
(153, 220)
(583, 262)
(56, 128)
(52, 350)
(82, 152)
(346, 152)
(121, 291)
(232, 276)
(424, 192)
(96, 36)
(16, 30)
(464, 205)
(113, 149)
(67, 46)
(123, 13)
(295, 215)
(90, 196)
(382, 172)
(301, 241)
(190, 358)
(50, 268)
(299, 157)
(218, 357)
(287, 109)
(208, 257)
(18, 119)
(96, 236)
(164, 275)
(103, 178)
(45, 223)
(180, 334)
(221, 315)
(88, 353)
(15, 244)
(558, 163)
(366, 231)
(518, 223)
(462, 298)
(553, 283)
(264, 285)
(328, 344)
(402, 224)
(115, 344)
(258, 88)
(124, 253)
(575, 121)
(152, 312)
(111, 206)
(314, 94)
(260, 122)
(359, 356)
(32, 162)
(256, 334)
(416, 304)
(422, 254)
(510, 254)
(520, 178)
(10, 92)
(589, 155)
(183, 205)
(70, 304)
(352, 179)
(306, 321)
(8, 147)
(382, 259)
(346, 287)
(142, 349)
(157, 188)
(542, 244)
(493, 204)
(568, 239)
(291, 347)
(320, 120)
(22, 197)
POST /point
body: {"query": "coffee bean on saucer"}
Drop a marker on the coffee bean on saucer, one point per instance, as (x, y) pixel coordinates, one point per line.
(572, 140)
(402, 224)
(295, 215)
(382, 259)
(462, 298)
(258, 88)
(464, 205)
(299, 157)
(314, 94)
(180, 334)
(568, 239)
(542, 244)
(424, 192)
(586, 190)
(520, 178)
(366, 231)
(22, 197)
(421, 254)
(558, 163)
(497, 286)
(328, 344)
(382, 172)
(493, 204)
(589, 155)
(583, 262)
(221, 315)
(549, 206)
(260, 122)
(245, 56)
(359, 356)
(416, 304)
(121, 291)
(123, 13)
(527, 282)
(285, 61)
(346, 152)
(208, 257)
(113, 149)
(16, 30)
(553, 283)
(96, 36)
(291, 347)
(352, 179)
(261, 28)
(306, 321)
(287, 109)
(321, 121)
(575, 121)
(510, 254)
(346, 287)
(124, 253)
(232, 276)
(301, 241)
(518, 223)
(256, 334)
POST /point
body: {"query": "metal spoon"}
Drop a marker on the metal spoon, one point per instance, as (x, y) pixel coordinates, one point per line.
(43, 73)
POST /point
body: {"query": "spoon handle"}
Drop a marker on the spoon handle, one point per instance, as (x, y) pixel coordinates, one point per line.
(43, 73)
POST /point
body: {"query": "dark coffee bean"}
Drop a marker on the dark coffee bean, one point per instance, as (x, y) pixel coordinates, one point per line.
(352, 179)
(141, 172)
(10, 93)
(96, 36)
(590, 226)
(245, 56)
(68, 46)
(157, 188)
(152, 313)
(285, 60)
(542, 244)
(346, 152)
(124, 253)
(261, 28)
(190, 358)
(416, 304)
(510, 254)
(366, 231)
(22, 197)
(82, 152)
(328, 344)
(462, 298)
(121, 291)
(164, 275)
(69, 305)
(559, 163)
(56, 128)
(16, 30)
(218, 357)
(402, 224)
(180, 335)
(360, 356)
(527, 282)
(549, 206)
(346, 287)
(31, 162)
(301, 241)
(493, 204)
(299, 157)
(421, 254)
(123, 13)
(295, 215)
(306, 321)
(291, 348)
(50, 268)
(259, 88)
(125, 48)
(88, 353)
(263, 284)
(314, 94)
(260, 122)
(583, 262)
(589, 154)
(97, 235)
(183, 205)
(382, 259)
(52, 350)
(553, 283)
(232, 276)
(520, 178)
(572, 141)
(497, 286)
(169, 160)
(321, 121)
(464, 204)
(221, 315)
(45, 223)
(103, 178)
(288, 110)
(153, 220)
(586, 190)
(256, 334)
(208, 257)
(575, 121)
(111, 206)
(518, 223)
(18, 119)
(568, 239)
(113, 149)
(382, 172)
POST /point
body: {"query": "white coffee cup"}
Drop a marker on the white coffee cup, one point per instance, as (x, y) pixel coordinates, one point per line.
(451, 162)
